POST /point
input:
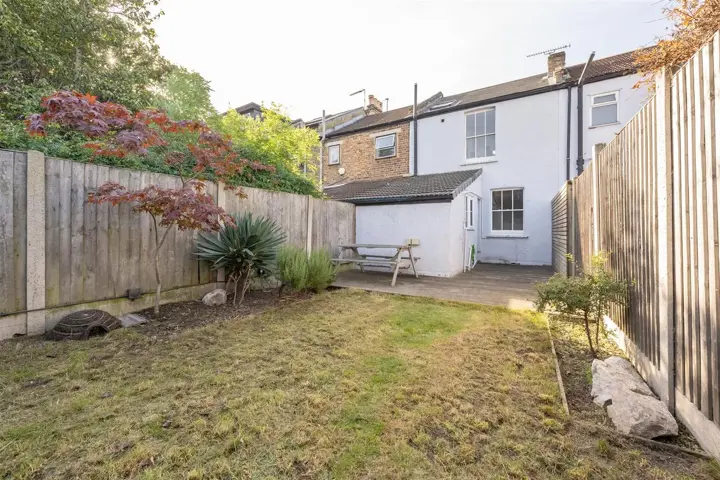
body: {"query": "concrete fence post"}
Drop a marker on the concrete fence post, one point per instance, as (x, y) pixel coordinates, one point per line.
(310, 213)
(597, 148)
(222, 203)
(666, 317)
(35, 283)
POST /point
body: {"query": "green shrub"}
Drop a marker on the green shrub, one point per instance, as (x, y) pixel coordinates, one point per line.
(588, 295)
(321, 271)
(293, 267)
(299, 271)
(248, 248)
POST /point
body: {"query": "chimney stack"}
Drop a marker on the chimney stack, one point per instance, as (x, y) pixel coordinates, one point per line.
(556, 68)
(374, 105)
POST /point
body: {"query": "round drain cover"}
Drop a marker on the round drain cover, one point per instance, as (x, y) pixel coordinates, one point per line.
(83, 324)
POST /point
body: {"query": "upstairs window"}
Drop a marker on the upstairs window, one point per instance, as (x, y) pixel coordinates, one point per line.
(334, 154)
(604, 109)
(480, 135)
(507, 211)
(385, 146)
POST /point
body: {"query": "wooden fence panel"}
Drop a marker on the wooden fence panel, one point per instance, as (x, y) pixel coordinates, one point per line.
(582, 207)
(695, 240)
(333, 224)
(96, 252)
(657, 193)
(13, 231)
(627, 211)
(560, 221)
(288, 210)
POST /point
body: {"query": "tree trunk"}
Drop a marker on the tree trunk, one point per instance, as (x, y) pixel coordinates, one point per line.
(589, 335)
(245, 277)
(158, 288)
(158, 245)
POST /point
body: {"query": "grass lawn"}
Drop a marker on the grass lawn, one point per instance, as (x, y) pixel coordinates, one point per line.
(340, 385)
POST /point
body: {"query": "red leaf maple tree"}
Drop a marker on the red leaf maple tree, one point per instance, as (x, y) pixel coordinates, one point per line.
(116, 132)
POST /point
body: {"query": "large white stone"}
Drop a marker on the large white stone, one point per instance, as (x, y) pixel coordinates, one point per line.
(641, 415)
(615, 373)
(215, 297)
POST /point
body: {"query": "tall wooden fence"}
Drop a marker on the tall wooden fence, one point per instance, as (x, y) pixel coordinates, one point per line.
(653, 204)
(83, 253)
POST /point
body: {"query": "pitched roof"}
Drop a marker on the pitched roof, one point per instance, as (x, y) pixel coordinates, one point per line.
(385, 118)
(436, 186)
(600, 69)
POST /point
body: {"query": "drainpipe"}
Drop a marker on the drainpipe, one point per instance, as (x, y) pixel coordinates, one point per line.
(580, 159)
(415, 134)
(569, 131)
(322, 147)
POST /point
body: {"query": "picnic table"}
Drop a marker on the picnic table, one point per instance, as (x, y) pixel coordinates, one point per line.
(395, 262)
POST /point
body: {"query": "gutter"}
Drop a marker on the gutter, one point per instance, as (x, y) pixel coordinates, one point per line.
(392, 200)
(580, 159)
(569, 131)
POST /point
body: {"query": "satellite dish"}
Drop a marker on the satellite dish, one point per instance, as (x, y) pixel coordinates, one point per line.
(341, 171)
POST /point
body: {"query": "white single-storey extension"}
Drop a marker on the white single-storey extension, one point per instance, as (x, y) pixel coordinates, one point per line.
(437, 212)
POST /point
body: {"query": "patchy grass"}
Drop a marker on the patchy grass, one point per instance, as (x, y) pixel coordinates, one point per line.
(341, 385)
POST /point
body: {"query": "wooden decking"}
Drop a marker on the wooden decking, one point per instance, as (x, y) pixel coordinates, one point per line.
(507, 285)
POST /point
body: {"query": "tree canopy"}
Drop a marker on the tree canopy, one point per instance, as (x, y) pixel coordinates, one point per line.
(273, 137)
(184, 94)
(694, 22)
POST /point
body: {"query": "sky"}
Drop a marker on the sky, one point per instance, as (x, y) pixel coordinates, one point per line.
(310, 55)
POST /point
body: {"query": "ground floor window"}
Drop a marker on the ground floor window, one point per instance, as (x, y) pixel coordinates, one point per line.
(469, 212)
(507, 211)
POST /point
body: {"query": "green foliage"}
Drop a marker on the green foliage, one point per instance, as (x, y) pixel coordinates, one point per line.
(588, 295)
(321, 271)
(248, 248)
(106, 47)
(273, 138)
(184, 95)
(302, 272)
(293, 267)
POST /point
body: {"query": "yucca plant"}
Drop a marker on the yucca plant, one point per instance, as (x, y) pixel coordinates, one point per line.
(246, 249)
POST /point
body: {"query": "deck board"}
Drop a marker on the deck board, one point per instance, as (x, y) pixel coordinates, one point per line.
(505, 285)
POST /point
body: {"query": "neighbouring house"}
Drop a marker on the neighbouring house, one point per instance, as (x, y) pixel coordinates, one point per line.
(519, 141)
(251, 109)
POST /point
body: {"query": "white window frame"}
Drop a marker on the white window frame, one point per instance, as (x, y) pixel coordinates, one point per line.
(394, 146)
(470, 206)
(330, 162)
(615, 102)
(507, 233)
(483, 159)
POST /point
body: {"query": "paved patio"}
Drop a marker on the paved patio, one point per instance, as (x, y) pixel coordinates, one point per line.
(506, 285)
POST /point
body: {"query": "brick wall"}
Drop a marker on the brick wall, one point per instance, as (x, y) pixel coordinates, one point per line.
(357, 156)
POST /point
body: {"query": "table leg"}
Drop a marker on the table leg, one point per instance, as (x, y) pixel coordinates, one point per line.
(357, 255)
(397, 268)
(412, 261)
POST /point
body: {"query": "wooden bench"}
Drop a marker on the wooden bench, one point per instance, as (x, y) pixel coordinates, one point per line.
(394, 262)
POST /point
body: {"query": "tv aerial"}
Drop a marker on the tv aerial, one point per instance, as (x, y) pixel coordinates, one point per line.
(549, 51)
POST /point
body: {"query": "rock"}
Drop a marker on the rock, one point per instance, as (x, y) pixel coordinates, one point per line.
(641, 415)
(615, 373)
(132, 319)
(216, 297)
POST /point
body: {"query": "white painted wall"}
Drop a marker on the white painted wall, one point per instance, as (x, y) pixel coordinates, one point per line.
(630, 102)
(396, 223)
(531, 152)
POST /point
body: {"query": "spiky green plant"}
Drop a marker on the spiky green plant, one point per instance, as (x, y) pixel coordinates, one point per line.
(246, 249)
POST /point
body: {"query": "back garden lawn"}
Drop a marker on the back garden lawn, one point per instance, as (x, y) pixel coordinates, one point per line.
(339, 385)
